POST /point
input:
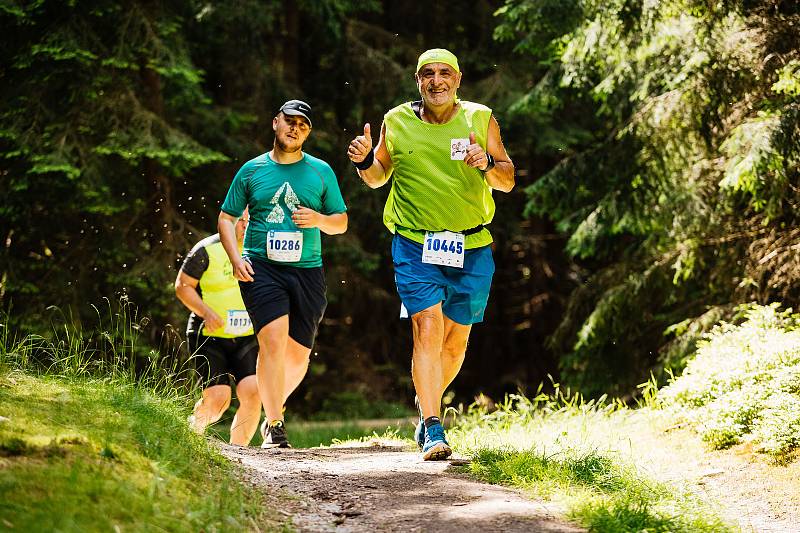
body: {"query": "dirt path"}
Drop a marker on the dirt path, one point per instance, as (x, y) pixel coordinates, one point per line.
(387, 488)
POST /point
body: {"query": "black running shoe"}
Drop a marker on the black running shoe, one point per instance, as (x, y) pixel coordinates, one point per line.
(275, 436)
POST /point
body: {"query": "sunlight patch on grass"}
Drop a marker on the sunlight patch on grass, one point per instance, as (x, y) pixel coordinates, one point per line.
(580, 455)
(391, 436)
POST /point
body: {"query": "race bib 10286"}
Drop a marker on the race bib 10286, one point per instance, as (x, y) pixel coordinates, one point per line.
(285, 246)
(238, 323)
(443, 248)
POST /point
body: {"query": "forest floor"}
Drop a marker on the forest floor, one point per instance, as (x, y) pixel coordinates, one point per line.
(385, 486)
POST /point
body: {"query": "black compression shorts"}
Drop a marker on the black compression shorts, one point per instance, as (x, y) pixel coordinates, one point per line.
(217, 359)
(279, 290)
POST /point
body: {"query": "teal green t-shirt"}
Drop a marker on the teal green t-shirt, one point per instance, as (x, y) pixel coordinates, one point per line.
(273, 191)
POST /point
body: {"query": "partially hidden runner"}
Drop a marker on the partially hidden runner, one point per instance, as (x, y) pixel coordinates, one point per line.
(220, 337)
(292, 197)
(444, 157)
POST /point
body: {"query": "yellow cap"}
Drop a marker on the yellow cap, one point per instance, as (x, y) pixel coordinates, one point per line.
(438, 55)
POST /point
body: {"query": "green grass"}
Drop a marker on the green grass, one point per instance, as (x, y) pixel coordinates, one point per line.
(94, 438)
(742, 385)
(309, 434)
(554, 447)
(600, 493)
(92, 455)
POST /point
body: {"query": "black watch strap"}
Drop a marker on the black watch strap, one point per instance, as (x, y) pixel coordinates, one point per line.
(490, 164)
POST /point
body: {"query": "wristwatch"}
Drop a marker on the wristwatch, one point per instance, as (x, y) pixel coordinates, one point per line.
(490, 164)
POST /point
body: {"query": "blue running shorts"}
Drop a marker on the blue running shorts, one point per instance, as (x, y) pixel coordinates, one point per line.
(462, 291)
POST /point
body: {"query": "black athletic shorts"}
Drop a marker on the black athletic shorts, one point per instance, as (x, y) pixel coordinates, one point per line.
(217, 358)
(278, 290)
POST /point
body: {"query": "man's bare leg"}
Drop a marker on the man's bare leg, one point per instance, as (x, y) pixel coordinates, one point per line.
(426, 361)
(454, 350)
(271, 366)
(297, 357)
(245, 422)
(210, 407)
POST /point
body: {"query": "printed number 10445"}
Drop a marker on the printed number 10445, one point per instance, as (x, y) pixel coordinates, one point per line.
(444, 245)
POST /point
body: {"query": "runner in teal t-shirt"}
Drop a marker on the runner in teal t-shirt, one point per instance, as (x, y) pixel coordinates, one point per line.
(292, 197)
(275, 192)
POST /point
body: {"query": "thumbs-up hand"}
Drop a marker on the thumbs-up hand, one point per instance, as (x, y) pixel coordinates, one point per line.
(475, 156)
(361, 146)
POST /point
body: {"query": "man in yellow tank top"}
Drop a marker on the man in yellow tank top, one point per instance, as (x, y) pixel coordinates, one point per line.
(220, 337)
(444, 157)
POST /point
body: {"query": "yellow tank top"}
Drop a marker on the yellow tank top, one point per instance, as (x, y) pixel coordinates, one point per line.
(432, 189)
(221, 293)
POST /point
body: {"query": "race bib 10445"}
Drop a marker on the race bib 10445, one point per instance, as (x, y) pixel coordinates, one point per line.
(285, 246)
(443, 248)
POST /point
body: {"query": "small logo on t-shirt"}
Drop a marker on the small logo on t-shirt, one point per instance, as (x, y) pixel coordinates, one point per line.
(290, 200)
(458, 149)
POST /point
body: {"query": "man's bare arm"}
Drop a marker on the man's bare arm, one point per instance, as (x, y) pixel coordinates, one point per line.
(381, 169)
(226, 225)
(501, 177)
(334, 224)
(186, 291)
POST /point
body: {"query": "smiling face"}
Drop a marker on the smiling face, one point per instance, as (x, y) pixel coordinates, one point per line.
(291, 131)
(438, 84)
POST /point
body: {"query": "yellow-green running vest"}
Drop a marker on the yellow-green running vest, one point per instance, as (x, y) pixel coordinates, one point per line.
(431, 191)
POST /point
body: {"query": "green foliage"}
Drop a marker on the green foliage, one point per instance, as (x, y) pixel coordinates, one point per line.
(788, 79)
(94, 141)
(352, 405)
(689, 165)
(743, 383)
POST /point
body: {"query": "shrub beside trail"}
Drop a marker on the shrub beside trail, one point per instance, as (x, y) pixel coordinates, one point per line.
(744, 383)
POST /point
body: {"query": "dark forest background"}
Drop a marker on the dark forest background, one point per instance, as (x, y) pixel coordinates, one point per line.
(657, 147)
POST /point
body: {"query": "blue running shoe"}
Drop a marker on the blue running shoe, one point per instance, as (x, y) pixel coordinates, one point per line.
(435, 447)
(419, 432)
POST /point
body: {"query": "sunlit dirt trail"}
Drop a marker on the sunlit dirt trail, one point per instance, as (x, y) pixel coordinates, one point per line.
(386, 488)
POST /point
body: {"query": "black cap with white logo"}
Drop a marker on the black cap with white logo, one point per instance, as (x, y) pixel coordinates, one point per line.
(297, 107)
